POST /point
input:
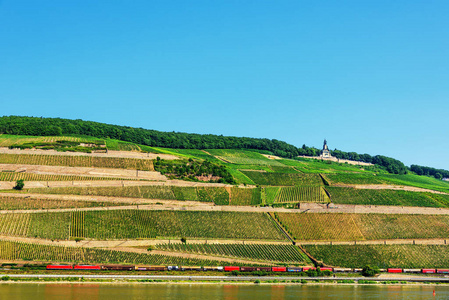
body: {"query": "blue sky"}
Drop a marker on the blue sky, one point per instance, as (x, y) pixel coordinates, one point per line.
(369, 76)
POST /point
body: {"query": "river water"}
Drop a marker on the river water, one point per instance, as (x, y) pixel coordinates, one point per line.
(93, 291)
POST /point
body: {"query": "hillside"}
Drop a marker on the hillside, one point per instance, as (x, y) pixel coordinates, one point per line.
(98, 132)
(96, 200)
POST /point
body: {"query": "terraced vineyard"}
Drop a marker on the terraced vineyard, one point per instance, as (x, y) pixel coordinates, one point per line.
(392, 179)
(244, 196)
(273, 253)
(271, 193)
(78, 161)
(302, 194)
(14, 176)
(243, 157)
(318, 227)
(418, 181)
(344, 195)
(11, 251)
(16, 203)
(284, 179)
(136, 224)
(383, 256)
(355, 178)
(350, 227)
(218, 195)
(126, 224)
(39, 225)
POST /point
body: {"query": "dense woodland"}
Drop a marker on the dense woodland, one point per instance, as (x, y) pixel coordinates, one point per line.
(179, 140)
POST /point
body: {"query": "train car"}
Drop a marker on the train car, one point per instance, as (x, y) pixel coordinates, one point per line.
(231, 268)
(442, 271)
(382, 270)
(394, 270)
(294, 269)
(357, 270)
(326, 269)
(429, 271)
(219, 269)
(252, 269)
(305, 269)
(191, 268)
(117, 267)
(342, 270)
(150, 268)
(279, 269)
(173, 268)
(87, 267)
(59, 267)
(412, 270)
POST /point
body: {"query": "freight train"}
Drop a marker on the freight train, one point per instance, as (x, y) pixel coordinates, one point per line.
(232, 268)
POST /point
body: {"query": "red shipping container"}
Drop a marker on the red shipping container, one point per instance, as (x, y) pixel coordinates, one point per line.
(231, 268)
(428, 271)
(326, 269)
(279, 269)
(87, 267)
(59, 267)
(392, 270)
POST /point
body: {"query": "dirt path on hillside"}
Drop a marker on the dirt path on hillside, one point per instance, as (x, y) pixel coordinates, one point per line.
(83, 171)
(380, 242)
(110, 153)
(8, 185)
(388, 187)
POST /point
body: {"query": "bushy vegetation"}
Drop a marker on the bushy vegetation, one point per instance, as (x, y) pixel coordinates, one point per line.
(382, 256)
(391, 165)
(194, 170)
(267, 252)
(427, 171)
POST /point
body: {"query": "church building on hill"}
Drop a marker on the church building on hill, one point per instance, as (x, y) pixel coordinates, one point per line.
(325, 153)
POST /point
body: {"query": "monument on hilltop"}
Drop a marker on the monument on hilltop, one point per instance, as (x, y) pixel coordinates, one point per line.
(325, 153)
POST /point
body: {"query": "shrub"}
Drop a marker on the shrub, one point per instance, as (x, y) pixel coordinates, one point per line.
(19, 185)
(369, 271)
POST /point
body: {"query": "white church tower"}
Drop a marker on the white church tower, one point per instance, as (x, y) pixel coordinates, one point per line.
(325, 153)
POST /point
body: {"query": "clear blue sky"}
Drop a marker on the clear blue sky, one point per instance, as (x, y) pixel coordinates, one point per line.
(369, 76)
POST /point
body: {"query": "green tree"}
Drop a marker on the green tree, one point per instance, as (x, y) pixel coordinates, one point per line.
(369, 271)
(19, 185)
